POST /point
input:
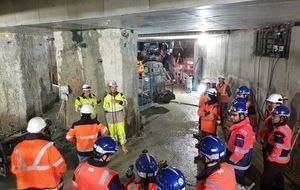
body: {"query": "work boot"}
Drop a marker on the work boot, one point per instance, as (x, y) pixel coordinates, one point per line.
(197, 136)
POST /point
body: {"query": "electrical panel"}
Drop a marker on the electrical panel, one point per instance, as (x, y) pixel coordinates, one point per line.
(273, 41)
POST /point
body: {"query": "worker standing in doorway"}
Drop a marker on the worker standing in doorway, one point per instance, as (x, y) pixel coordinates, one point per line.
(85, 132)
(209, 112)
(35, 161)
(273, 101)
(212, 150)
(224, 94)
(240, 143)
(114, 103)
(94, 174)
(244, 92)
(87, 98)
(278, 150)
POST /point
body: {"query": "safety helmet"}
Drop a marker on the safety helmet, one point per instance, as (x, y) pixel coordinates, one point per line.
(205, 81)
(86, 109)
(211, 91)
(36, 124)
(239, 108)
(221, 77)
(239, 100)
(105, 145)
(282, 111)
(213, 80)
(146, 165)
(112, 83)
(212, 147)
(170, 178)
(86, 87)
(243, 90)
(275, 98)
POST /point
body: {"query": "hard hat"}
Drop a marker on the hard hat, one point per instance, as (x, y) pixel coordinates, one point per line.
(239, 100)
(213, 80)
(36, 124)
(212, 147)
(281, 111)
(221, 77)
(275, 98)
(243, 90)
(86, 109)
(146, 165)
(86, 87)
(112, 83)
(105, 145)
(170, 178)
(205, 81)
(239, 108)
(211, 91)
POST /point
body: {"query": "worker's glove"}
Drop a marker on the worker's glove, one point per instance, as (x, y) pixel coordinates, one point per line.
(129, 172)
(121, 103)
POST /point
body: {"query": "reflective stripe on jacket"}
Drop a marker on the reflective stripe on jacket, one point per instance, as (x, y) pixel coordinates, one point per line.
(92, 100)
(221, 179)
(37, 164)
(87, 177)
(209, 114)
(109, 106)
(86, 134)
(240, 145)
(279, 144)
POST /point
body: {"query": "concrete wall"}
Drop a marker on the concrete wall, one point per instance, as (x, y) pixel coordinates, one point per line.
(101, 56)
(25, 83)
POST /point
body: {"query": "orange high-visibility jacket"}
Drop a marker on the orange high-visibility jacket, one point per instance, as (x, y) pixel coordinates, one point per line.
(224, 98)
(223, 179)
(202, 101)
(252, 115)
(136, 186)
(279, 144)
(86, 134)
(89, 177)
(209, 114)
(264, 133)
(37, 163)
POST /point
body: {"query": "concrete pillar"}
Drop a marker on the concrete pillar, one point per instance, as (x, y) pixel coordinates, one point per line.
(96, 57)
(25, 83)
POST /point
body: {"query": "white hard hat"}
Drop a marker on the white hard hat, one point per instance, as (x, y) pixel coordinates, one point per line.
(213, 80)
(275, 98)
(36, 124)
(112, 83)
(86, 109)
(221, 77)
(86, 87)
(205, 80)
(211, 91)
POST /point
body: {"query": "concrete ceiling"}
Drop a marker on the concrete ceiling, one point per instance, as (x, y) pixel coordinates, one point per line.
(243, 15)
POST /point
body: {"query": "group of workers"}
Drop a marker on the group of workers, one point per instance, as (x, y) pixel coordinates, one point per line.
(275, 135)
(38, 164)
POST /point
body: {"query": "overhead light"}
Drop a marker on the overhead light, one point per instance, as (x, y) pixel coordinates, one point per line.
(202, 39)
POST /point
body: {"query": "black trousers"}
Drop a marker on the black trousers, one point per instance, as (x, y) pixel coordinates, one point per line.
(272, 177)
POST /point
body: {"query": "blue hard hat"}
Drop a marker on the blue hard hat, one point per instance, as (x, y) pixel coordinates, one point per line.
(281, 111)
(243, 90)
(105, 145)
(239, 100)
(170, 178)
(212, 147)
(239, 108)
(146, 165)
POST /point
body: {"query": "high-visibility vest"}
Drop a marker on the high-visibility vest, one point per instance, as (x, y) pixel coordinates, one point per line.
(91, 177)
(114, 107)
(222, 179)
(37, 164)
(224, 98)
(240, 145)
(93, 100)
(85, 135)
(202, 101)
(279, 144)
(264, 131)
(137, 186)
(209, 122)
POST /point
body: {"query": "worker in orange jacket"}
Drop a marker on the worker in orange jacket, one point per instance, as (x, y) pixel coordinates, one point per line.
(147, 168)
(209, 112)
(273, 101)
(278, 150)
(224, 94)
(35, 161)
(94, 174)
(240, 143)
(212, 150)
(85, 132)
